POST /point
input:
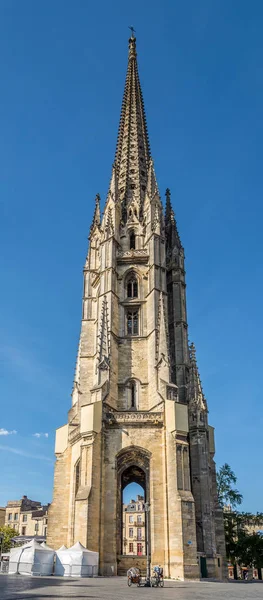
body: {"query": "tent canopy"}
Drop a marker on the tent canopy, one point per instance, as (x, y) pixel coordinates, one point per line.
(76, 561)
(31, 559)
(44, 545)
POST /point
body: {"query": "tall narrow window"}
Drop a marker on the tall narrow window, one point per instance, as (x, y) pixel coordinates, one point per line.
(77, 477)
(132, 241)
(133, 322)
(132, 287)
(133, 395)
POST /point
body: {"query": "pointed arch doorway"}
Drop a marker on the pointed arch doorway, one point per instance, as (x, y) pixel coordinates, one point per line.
(133, 467)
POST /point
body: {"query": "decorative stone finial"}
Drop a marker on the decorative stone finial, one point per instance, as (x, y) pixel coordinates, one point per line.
(172, 235)
(192, 352)
(196, 395)
(96, 216)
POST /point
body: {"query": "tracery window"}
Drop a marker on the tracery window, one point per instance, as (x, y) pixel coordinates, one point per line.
(132, 287)
(133, 322)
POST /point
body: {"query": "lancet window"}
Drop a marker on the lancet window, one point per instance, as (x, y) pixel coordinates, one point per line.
(132, 287)
(133, 322)
(133, 395)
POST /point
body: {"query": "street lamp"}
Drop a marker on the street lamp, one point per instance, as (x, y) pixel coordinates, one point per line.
(148, 571)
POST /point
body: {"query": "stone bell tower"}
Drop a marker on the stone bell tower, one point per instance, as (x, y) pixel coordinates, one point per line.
(130, 419)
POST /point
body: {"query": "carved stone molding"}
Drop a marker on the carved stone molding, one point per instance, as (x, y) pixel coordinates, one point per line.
(140, 255)
(154, 419)
(74, 435)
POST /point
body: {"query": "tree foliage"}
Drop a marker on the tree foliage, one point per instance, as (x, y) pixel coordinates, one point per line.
(249, 550)
(8, 533)
(227, 494)
(242, 547)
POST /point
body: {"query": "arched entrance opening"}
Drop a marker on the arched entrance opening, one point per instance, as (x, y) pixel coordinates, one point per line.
(133, 478)
(133, 512)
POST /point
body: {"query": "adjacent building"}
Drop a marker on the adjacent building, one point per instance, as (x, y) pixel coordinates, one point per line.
(138, 410)
(134, 539)
(28, 517)
(2, 515)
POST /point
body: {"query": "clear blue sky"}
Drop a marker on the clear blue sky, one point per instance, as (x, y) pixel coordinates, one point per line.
(63, 67)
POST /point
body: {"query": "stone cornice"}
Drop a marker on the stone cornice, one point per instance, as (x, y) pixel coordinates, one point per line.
(135, 418)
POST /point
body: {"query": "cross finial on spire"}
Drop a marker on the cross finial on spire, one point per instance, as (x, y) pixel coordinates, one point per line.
(132, 31)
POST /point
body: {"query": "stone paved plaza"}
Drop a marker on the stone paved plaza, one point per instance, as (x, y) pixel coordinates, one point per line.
(17, 587)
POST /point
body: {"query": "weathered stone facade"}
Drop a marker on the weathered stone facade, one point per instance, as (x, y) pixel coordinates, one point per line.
(138, 411)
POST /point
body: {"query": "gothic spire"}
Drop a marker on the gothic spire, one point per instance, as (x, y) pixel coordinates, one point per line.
(172, 234)
(96, 216)
(196, 395)
(133, 151)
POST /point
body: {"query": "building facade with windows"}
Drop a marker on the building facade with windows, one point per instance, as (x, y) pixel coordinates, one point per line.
(28, 517)
(134, 538)
(138, 410)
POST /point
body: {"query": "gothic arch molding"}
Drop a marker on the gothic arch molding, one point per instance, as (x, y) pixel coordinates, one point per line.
(127, 275)
(132, 465)
(133, 455)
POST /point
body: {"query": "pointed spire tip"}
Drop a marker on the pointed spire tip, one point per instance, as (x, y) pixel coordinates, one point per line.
(133, 149)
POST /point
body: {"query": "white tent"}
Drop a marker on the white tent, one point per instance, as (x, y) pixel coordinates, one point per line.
(31, 559)
(44, 545)
(76, 561)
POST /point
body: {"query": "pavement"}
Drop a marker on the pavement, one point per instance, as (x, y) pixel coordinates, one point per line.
(19, 587)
